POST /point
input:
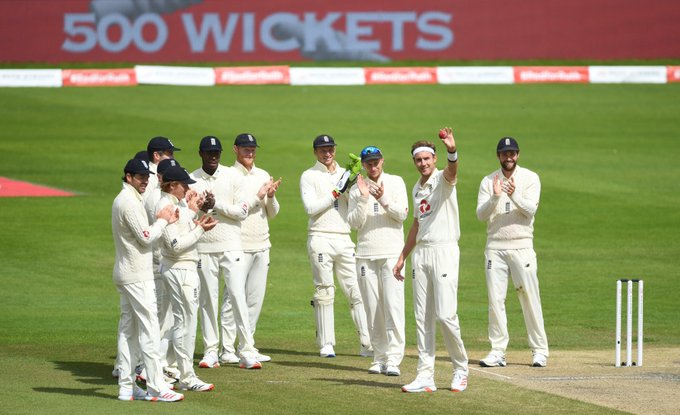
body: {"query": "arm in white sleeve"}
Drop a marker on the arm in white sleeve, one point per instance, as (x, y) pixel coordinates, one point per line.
(145, 234)
(178, 243)
(396, 206)
(527, 200)
(271, 206)
(314, 204)
(486, 200)
(357, 209)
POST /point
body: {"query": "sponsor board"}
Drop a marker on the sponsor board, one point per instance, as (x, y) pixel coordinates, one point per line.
(628, 74)
(551, 74)
(175, 75)
(30, 77)
(252, 75)
(327, 76)
(99, 77)
(475, 75)
(412, 75)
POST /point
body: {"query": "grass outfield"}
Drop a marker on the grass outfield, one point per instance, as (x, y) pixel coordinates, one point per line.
(606, 155)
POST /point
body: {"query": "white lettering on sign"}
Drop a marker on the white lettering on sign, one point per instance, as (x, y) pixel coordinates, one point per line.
(319, 36)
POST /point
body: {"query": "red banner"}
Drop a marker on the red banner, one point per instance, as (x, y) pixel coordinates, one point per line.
(99, 77)
(144, 31)
(401, 75)
(551, 74)
(674, 74)
(252, 75)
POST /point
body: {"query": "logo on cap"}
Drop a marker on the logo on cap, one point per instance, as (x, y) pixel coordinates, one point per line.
(507, 141)
(212, 142)
(325, 138)
(250, 138)
(146, 166)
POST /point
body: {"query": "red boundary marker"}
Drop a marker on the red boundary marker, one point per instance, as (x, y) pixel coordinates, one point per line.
(16, 188)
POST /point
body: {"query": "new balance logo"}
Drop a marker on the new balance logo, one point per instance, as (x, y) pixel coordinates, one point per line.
(488, 264)
(444, 275)
(363, 271)
(336, 206)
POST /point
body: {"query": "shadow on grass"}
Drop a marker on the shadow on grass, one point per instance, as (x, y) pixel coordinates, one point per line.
(359, 382)
(92, 373)
(91, 392)
(319, 365)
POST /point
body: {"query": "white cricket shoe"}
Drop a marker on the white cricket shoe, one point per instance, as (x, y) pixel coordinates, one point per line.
(327, 351)
(262, 357)
(459, 382)
(493, 359)
(376, 369)
(209, 361)
(540, 360)
(392, 370)
(420, 385)
(195, 384)
(229, 358)
(134, 394)
(167, 396)
(249, 363)
(366, 351)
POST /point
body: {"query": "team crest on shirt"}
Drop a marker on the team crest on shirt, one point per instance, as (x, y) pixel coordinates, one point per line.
(424, 208)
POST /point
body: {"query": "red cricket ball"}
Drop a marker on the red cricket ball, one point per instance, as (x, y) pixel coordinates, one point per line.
(442, 133)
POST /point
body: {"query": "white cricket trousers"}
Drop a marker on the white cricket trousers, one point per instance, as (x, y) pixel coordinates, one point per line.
(233, 268)
(209, 297)
(383, 297)
(435, 300)
(183, 286)
(328, 255)
(165, 320)
(139, 334)
(257, 267)
(521, 266)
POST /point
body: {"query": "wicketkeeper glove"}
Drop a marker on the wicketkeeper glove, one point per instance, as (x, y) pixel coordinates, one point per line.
(349, 177)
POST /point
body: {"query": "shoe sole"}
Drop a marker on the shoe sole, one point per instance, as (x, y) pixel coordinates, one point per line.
(458, 390)
(392, 374)
(418, 390)
(538, 365)
(328, 355)
(484, 364)
(255, 366)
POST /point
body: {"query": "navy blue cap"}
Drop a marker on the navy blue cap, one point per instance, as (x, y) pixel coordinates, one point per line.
(142, 155)
(507, 144)
(324, 140)
(245, 140)
(161, 144)
(136, 166)
(165, 164)
(210, 143)
(177, 174)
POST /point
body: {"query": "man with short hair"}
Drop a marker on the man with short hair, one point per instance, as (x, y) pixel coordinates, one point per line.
(133, 275)
(329, 246)
(245, 296)
(433, 238)
(220, 252)
(179, 260)
(378, 206)
(508, 201)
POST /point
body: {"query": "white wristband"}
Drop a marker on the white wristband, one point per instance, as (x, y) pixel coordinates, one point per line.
(452, 157)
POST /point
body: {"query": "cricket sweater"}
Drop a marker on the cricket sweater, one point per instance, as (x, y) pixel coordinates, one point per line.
(133, 237)
(510, 219)
(229, 209)
(379, 223)
(255, 227)
(178, 249)
(327, 215)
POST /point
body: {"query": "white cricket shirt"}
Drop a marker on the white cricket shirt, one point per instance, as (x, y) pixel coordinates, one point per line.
(435, 206)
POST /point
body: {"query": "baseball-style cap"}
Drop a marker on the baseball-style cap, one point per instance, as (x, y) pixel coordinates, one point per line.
(210, 143)
(137, 166)
(370, 153)
(506, 144)
(245, 140)
(161, 144)
(324, 140)
(165, 164)
(142, 155)
(177, 174)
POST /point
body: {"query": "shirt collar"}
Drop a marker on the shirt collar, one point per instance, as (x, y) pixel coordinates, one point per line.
(319, 166)
(132, 190)
(241, 168)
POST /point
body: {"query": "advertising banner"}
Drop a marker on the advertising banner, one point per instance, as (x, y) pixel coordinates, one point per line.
(219, 31)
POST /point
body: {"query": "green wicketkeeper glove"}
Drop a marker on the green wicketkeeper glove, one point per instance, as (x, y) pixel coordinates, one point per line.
(349, 177)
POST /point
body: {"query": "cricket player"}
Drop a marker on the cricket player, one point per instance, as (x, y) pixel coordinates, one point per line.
(329, 246)
(378, 206)
(507, 201)
(179, 259)
(221, 253)
(260, 193)
(133, 275)
(433, 238)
